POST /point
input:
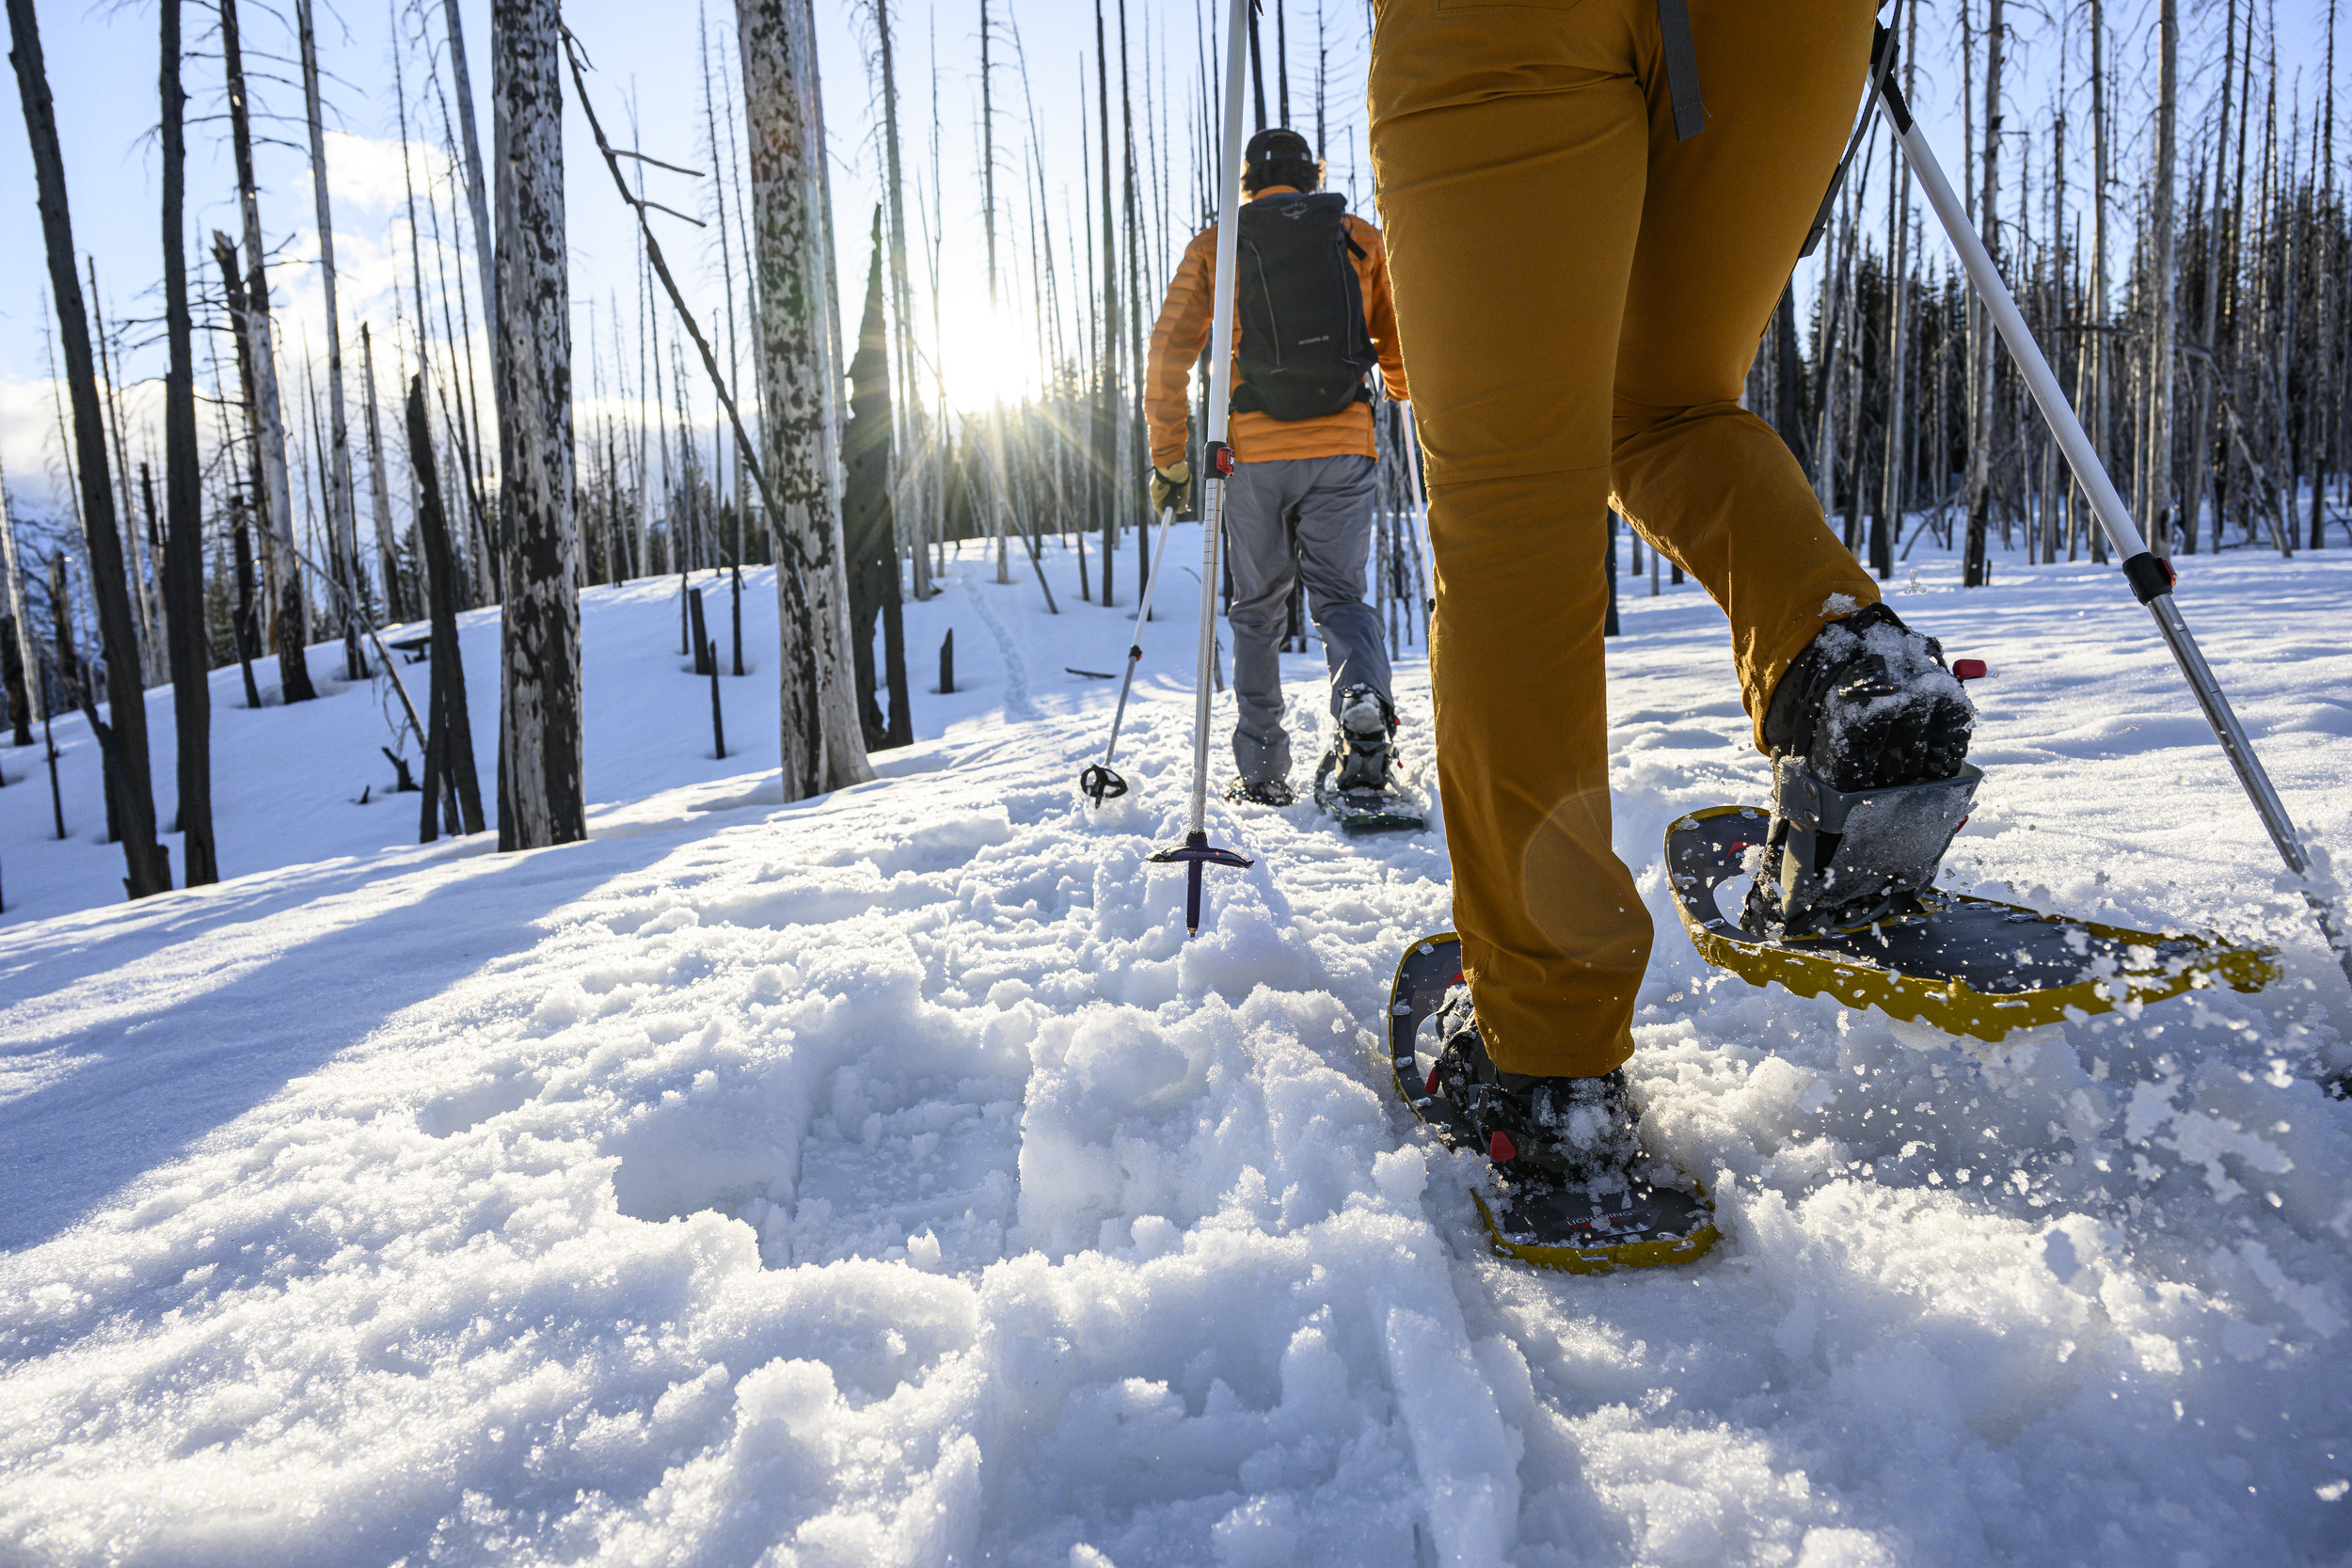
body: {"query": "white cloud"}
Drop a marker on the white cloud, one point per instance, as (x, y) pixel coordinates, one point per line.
(363, 173)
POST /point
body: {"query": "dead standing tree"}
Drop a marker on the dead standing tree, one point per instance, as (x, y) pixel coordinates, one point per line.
(448, 765)
(275, 497)
(867, 526)
(380, 489)
(148, 869)
(823, 744)
(190, 649)
(543, 799)
(342, 510)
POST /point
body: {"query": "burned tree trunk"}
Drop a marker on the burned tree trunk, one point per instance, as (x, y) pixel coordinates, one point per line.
(247, 619)
(12, 681)
(148, 870)
(451, 728)
(901, 296)
(2156, 453)
(823, 745)
(867, 525)
(1977, 568)
(274, 496)
(343, 514)
(477, 201)
(380, 491)
(539, 729)
(22, 623)
(190, 648)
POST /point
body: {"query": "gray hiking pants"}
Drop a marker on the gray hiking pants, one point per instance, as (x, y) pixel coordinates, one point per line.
(1326, 505)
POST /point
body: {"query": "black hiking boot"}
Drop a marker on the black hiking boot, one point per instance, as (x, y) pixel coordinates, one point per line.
(1572, 1131)
(1572, 1188)
(1869, 704)
(1363, 739)
(1269, 792)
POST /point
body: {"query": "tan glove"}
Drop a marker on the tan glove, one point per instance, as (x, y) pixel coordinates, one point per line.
(1172, 486)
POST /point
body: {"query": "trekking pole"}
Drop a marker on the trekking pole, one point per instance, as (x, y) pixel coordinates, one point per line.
(1098, 783)
(1196, 851)
(1421, 547)
(2149, 577)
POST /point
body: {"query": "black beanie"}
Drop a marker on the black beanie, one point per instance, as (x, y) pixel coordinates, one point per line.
(1278, 144)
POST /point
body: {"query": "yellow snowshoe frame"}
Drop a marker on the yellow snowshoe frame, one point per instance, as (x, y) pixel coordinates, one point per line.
(1977, 984)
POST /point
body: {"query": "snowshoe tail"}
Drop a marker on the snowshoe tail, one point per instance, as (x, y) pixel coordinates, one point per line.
(1972, 966)
(1637, 1225)
(1368, 811)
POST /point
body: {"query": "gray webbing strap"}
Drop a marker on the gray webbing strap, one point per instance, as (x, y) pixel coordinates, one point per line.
(1682, 67)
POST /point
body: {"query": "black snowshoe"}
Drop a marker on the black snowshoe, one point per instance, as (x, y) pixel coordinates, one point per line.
(1571, 1188)
(1267, 792)
(1869, 731)
(1356, 781)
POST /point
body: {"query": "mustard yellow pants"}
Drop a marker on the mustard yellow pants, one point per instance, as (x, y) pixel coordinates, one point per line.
(1579, 296)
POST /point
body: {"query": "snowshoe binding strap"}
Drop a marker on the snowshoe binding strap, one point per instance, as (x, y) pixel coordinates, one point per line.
(1098, 784)
(1361, 750)
(1840, 858)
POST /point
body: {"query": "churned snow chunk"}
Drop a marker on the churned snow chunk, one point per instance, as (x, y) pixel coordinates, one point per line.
(1401, 1175)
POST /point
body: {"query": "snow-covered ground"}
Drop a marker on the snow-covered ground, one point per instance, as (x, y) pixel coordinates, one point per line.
(885, 1179)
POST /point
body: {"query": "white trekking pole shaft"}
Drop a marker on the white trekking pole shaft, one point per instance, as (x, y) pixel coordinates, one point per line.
(1134, 648)
(1219, 465)
(2151, 580)
(2149, 577)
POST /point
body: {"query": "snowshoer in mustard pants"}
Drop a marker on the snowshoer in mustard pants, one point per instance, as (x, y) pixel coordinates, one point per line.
(1580, 293)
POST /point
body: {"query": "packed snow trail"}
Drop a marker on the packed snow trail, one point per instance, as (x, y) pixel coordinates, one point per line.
(883, 1179)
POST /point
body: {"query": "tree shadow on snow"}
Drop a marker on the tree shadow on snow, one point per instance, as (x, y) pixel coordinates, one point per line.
(135, 1047)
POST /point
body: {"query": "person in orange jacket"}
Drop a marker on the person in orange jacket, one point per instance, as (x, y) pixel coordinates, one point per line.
(1302, 440)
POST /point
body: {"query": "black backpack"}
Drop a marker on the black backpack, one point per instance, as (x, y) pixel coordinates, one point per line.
(1304, 348)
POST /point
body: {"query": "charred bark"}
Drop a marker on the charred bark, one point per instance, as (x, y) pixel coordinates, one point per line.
(274, 496)
(189, 648)
(823, 745)
(539, 728)
(455, 764)
(148, 870)
(867, 523)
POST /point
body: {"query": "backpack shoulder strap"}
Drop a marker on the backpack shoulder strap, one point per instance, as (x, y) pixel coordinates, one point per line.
(1682, 67)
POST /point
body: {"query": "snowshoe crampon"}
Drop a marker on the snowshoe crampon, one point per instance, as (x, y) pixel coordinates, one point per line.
(1579, 1230)
(1972, 966)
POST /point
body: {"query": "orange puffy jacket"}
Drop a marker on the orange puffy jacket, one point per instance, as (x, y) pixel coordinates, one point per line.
(1183, 331)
